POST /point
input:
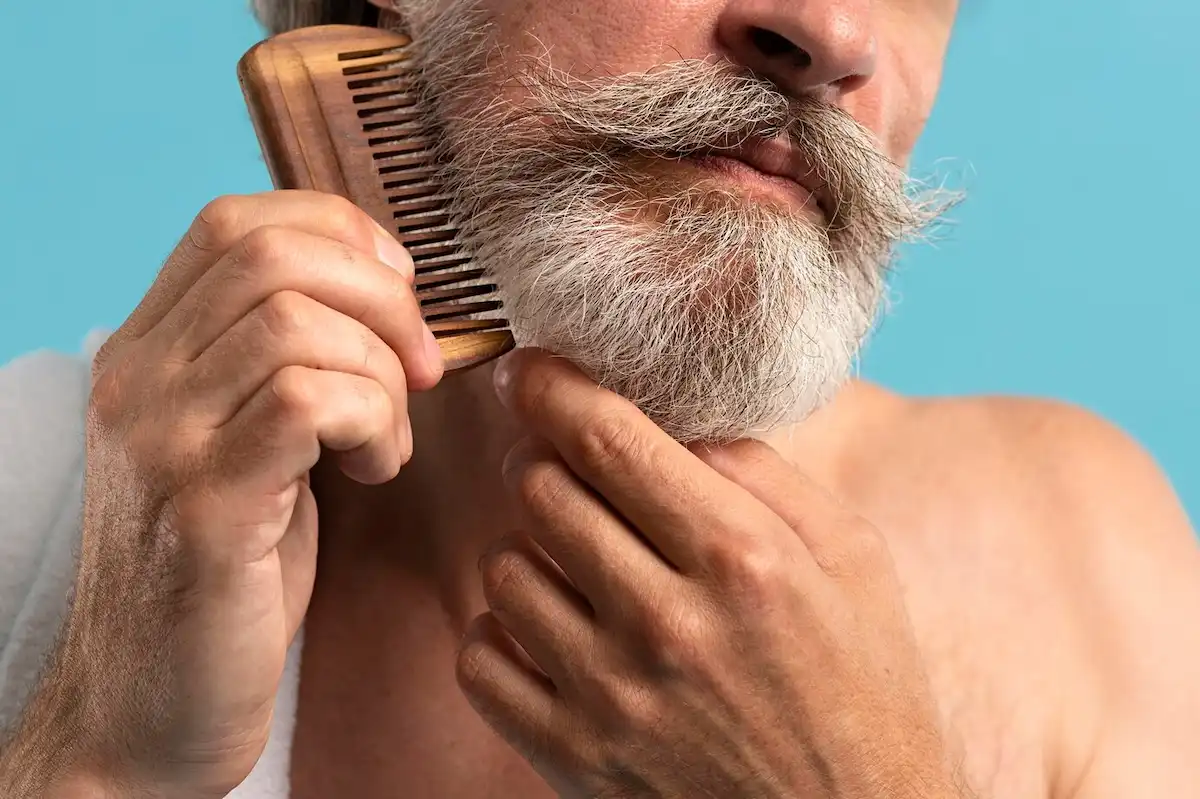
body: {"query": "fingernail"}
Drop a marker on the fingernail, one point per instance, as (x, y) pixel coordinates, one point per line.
(433, 352)
(392, 253)
(502, 380)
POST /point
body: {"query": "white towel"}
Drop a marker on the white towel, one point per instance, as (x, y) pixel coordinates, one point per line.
(43, 398)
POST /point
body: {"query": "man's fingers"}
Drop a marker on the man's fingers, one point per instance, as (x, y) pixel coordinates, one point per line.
(609, 563)
(297, 551)
(775, 482)
(288, 329)
(227, 220)
(273, 260)
(840, 542)
(277, 436)
(538, 607)
(248, 493)
(684, 508)
(517, 702)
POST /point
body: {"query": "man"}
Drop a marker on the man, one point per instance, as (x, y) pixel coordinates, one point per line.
(685, 558)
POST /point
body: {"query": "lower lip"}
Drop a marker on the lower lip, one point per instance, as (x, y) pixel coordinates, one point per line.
(742, 172)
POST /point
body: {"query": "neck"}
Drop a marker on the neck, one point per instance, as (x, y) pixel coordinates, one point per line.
(429, 526)
(425, 531)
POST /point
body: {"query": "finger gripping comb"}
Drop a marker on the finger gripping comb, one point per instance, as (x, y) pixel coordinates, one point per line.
(335, 110)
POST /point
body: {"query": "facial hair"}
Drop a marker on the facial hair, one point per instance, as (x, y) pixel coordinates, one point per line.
(717, 314)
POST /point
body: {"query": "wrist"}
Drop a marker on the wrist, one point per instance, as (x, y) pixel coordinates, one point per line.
(32, 765)
(84, 784)
(47, 754)
(28, 769)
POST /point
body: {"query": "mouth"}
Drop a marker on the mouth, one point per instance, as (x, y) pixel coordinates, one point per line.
(773, 167)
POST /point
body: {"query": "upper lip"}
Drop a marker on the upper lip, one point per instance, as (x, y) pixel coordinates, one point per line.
(779, 158)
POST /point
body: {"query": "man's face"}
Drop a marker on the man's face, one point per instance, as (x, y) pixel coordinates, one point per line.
(694, 200)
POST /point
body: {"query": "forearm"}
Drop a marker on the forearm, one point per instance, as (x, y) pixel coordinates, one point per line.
(31, 765)
(44, 756)
(73, 786)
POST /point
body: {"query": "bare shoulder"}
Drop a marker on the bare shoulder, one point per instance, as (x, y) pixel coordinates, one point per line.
(1067, 528)
(1094, 462)
(1060, 476)
(1060, 470)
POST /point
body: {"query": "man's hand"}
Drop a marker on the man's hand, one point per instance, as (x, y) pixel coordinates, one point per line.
(283, 323)
(690, 623)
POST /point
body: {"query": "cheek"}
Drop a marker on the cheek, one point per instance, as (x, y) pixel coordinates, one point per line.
(605, 36)
(897, 102)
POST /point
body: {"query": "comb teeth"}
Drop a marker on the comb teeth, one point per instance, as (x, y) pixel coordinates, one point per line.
(454, 298)
(447, 329)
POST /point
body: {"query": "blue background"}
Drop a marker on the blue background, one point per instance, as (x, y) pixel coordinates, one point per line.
(1070, 271)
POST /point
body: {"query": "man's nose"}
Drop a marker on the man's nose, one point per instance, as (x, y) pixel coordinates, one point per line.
(803, 46)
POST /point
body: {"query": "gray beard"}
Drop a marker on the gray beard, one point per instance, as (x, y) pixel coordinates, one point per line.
(717, 316)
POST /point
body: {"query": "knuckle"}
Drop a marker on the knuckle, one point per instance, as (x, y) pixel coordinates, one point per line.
(270, 246)
(540, 486)
(376, 402)
(679, 639)
(746, 566)
(637, 709)
(606, 440)
(858, 548)
(220, 222)
(347, 223)
(472, 662)
(117, 390)
(104, 355)
(293, 393)
(286, 313)
(503, 573)
(106, 402)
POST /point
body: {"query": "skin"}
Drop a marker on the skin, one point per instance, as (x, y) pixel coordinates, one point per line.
(897, 597)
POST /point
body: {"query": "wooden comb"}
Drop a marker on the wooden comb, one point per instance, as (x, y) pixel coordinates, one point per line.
(334, 108)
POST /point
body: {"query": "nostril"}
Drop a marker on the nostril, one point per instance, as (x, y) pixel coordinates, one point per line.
(773, 46)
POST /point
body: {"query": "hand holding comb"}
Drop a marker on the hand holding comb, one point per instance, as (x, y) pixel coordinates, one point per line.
(335, 110)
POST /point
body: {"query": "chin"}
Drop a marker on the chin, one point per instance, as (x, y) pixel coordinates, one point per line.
(717, 317)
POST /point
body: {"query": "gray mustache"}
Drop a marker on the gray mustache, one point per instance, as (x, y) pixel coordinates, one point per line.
(683, 108)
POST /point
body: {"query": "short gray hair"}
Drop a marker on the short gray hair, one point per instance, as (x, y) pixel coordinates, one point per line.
(278, 16)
